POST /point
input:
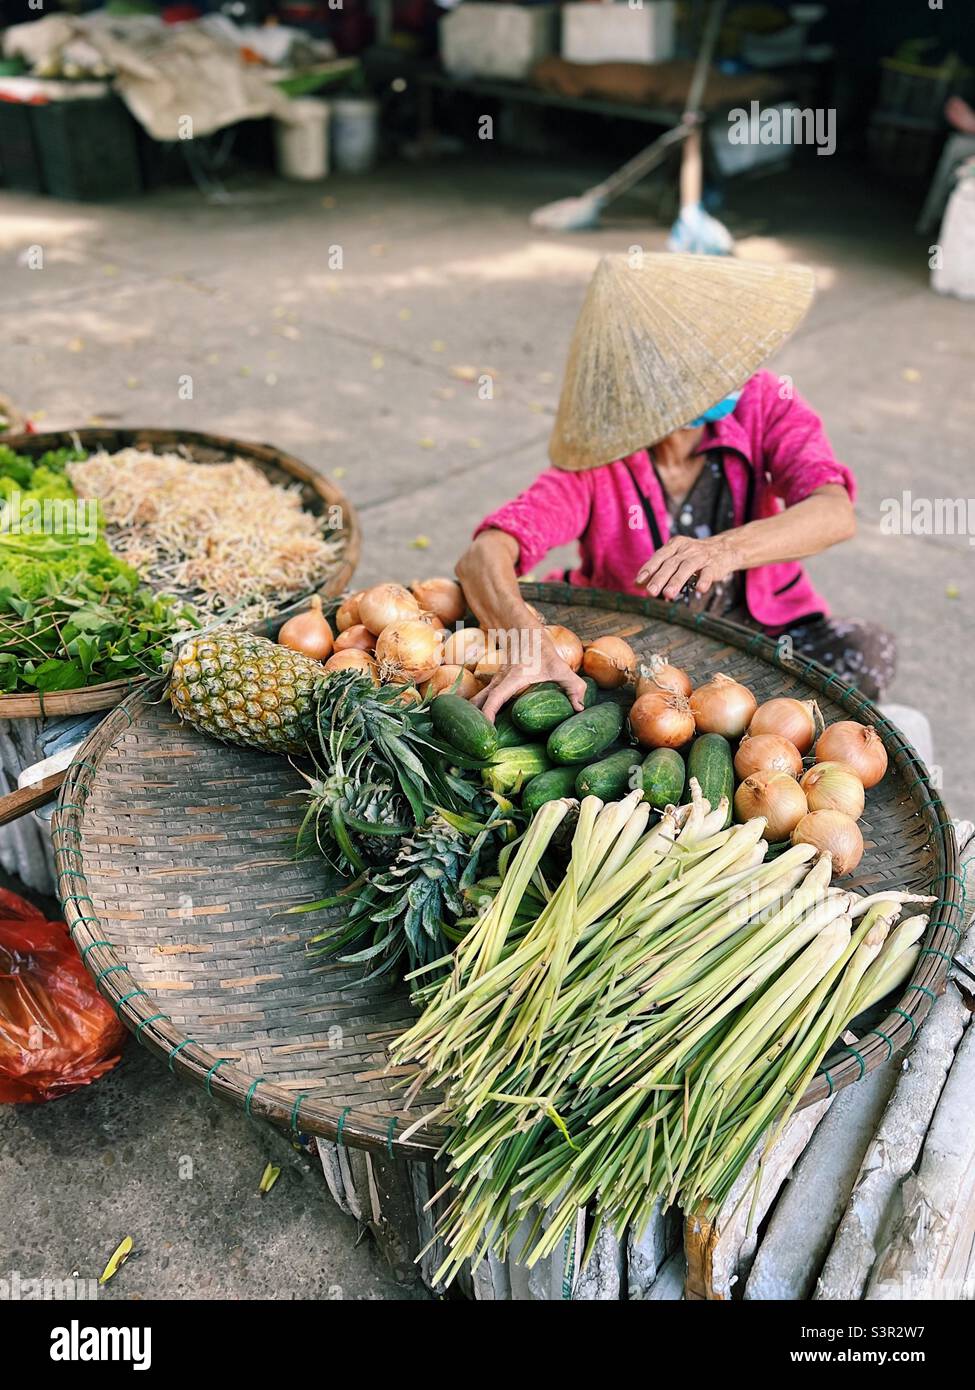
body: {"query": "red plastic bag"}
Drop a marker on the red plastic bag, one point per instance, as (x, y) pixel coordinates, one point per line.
(56, 1031)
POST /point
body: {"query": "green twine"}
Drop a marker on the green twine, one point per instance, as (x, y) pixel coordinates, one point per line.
(341, 1125)
(83, 922)
(142, 1023)
(91, 946)
(910, 1018)
(110, 970)
(863, 1065)
(177, 1048)
(390, 1131)
(302, 1095)
(890, 1045)
(829, 1080)
(923, 989)
(250, 1093)
(218, 1063)
(931, 951)
(131, 995)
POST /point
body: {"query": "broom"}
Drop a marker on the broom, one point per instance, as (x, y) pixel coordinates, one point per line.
(580, 214)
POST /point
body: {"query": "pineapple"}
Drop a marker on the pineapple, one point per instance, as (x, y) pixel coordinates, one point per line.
(412, 907)
(245, 689)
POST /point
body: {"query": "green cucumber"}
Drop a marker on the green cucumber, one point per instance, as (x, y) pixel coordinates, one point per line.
(583, 737)
(511, 768)
(545, 707)
(712, 762)
(463, 727)
(509, 735)
(663, 778)
(548, 786)
(611, 778)
(541, 709)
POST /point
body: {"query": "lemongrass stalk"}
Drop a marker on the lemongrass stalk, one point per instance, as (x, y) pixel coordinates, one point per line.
(625, 842)
(895, 963)
(865, 904)
(781, 997)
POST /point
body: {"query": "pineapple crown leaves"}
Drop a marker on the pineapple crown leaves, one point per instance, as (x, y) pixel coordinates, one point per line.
(411, 905)
(399, 736)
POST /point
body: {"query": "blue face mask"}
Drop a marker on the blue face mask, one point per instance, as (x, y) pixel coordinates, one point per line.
(717, 412)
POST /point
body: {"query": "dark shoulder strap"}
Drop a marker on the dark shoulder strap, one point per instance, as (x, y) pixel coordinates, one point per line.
(655, 535)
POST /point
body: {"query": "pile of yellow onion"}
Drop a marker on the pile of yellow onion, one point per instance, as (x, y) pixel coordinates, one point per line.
(819, 806)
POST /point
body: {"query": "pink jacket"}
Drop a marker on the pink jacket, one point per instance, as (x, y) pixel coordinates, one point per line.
(775, 453)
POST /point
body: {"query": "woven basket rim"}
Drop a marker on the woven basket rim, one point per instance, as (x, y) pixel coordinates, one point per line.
(85, 699)
(363, 1129)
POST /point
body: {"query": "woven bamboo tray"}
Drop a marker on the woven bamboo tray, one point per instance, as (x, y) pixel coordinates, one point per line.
(317, 495)
(174, 857)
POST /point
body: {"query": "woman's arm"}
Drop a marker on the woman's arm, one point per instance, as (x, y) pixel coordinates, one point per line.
(822, 519)
(488, 573)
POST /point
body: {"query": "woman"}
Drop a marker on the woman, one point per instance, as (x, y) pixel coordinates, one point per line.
(718, 511)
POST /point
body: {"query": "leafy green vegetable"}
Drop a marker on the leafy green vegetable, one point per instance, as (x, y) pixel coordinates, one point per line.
(71, 613)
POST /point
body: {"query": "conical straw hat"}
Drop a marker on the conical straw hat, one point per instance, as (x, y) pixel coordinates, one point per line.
(659, 342)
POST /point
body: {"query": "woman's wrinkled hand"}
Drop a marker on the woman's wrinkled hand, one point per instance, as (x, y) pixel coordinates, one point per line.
(682, 559)
(519, 675)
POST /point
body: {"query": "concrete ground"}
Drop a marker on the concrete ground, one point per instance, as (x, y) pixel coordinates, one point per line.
(345, 326)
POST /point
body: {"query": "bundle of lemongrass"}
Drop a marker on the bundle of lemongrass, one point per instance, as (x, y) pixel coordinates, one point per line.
(636, 1037)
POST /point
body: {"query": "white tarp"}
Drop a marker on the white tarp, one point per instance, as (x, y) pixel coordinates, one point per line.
(178, 80)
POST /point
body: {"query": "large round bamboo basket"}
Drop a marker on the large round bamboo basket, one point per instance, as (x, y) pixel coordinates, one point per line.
(317, 495)
(175, 863)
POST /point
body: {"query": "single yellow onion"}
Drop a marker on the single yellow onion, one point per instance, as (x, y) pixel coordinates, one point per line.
(659, 674)
(409, 651)
(444, 597)
(567, 644)
(465, 647)
(353, 660)
(834, 832)
(834, 787)
(774, 795)
(856, 744)
(610, 662)
(455, 679)
(347, 613)
(661, 719)
(356, 637)
(796, 720)
(308, 632)
(723, 706)
(767, 753)
(384, 604)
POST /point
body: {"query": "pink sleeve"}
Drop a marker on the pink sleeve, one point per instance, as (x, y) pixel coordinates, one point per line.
(798, 455)
(553, 511)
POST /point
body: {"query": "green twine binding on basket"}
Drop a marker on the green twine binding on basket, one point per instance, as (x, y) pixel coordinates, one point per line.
(132, 994)
(910, 1018)
(932, 951)
(151, 1019)
(923, 989)
(173, 1051)
(857, 1055)
(250, 1094)
(83, 922)
(341, 1125)
(302, 1095)
(890, 1045)
(207, 1079)
(109, 970)
(91, 946)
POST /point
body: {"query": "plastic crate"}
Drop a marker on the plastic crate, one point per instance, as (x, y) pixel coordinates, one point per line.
(908, 89)
(20, 166)
(87, 148)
